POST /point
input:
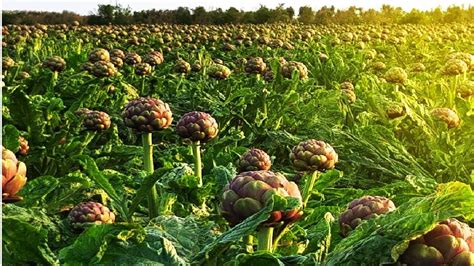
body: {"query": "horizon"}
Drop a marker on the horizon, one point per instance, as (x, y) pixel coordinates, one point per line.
(88, 7)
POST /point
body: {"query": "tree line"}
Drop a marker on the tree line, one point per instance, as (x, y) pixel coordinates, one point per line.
(117, 14)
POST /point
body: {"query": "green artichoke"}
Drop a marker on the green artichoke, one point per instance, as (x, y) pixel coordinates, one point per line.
(117, 61)
(117, 53)
(396, 75)
(447, 115)
(312, 155)
(288, 68)
(154, 58)
(55, 64)
(24, 147)
(455, 67)
(218, 71)
(147, 114)
(132, 59)
(96, 120)
(143, 69)
(254, 160)
(361, 209)
(7, 63)
(249, 192)
(197, 126)
(449, 243)
(102, 69)
(182, 66)
(90, 212)
(99, 54)
(255, 65)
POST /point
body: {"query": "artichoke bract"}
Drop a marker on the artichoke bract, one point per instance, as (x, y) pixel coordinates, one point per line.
(147, 114)
(96, 120)
(254, 160)
(449, 243)
(13, 176)
(197, 126)
(90, 212)
(249, 192)
(363, 209)
(312, 155)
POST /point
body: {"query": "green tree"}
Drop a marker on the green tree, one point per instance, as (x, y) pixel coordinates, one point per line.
(306, 15)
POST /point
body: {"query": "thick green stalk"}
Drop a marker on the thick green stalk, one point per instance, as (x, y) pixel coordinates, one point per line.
(153, 202)
(197, 162)
(265, 238)
(309, 187)
(248, 242)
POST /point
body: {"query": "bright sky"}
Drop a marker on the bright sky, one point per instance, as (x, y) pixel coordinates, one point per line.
(84, 7)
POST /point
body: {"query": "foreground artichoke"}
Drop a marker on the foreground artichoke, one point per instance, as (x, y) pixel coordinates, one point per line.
(254, 160)
(361, 209)
(13, 176)
(455, 67)
(143, 69)
(197, 126)
(218, 71)
(447, 115)
(250, 191)
(55, 64)
(288, 68)
(449, 243)
(90, 212)
(96, 120)
(7, 63)
(154, 58)
(312, 155)
(147, 114)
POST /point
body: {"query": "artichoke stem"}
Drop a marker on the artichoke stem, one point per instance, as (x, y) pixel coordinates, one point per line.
(153, 202)
(265, 238)
(309, 187)
(197, 162)
(248, 242)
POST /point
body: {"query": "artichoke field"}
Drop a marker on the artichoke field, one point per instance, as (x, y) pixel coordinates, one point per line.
(278, 144)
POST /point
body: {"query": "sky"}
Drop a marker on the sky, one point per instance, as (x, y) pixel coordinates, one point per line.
(85, 7)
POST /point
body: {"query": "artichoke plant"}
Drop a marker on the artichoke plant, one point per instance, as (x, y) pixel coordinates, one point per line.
(396, 75)
(447, 115)
(86, 213)
(154, 58)
(7, 63)
(146, 115)
(395, 110)
(218, 71)
(450, 243)
(102, 69)
(24, 148)
(254, 160)
(55, 64)
(117, 53)
(96, 120)
(288, 68)
(198, 127)
(182, 66)
(313, 156)
(143, 69)
(255, 65)
(361, 209)
(99, 54)
(13, 176)
(466, 89)
(132, 59)
(348, 91)
(249, 192)
(455, 67)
